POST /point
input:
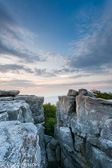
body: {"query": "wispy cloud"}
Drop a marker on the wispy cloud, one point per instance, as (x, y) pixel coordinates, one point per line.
(12, 38)
(14, 68)
(93, 51)
(28, 83)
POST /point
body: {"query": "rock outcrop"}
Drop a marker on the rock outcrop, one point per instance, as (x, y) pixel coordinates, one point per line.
(21, 142)
(84, 130)
(83, 133)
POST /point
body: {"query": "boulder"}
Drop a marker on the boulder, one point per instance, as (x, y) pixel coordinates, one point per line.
(17, 110)
(72, 92)
(19, 145)
(86, 93)
(9, 92)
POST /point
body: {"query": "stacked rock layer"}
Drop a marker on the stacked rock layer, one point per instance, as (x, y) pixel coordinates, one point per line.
(84, 130)
(21, 142)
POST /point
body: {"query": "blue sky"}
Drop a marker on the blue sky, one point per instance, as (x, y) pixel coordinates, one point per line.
(50, 46)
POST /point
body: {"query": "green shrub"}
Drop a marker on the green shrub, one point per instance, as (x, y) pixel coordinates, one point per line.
(103, 95)
(50, 118)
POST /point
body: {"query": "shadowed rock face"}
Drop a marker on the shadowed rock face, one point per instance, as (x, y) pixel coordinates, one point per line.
(85, 133)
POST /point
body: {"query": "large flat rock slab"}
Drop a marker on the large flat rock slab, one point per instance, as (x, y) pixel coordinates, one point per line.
(9, 92)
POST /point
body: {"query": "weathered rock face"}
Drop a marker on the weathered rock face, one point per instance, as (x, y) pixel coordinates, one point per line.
(21, 141)
(4, 116)
(21, 105)
(9, 92)
(19, 144)
(36, 106)
(84, 130)
(66, 108)
(17, 110)
(92, 114)
(40, 131)
(72, 92)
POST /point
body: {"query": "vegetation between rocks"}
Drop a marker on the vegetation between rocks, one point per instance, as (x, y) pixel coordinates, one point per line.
(50, 118)
(103, 95)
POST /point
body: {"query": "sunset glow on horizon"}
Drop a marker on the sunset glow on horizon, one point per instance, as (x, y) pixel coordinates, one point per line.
(48, 47)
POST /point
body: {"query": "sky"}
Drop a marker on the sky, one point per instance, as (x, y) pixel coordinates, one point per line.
(50, 46)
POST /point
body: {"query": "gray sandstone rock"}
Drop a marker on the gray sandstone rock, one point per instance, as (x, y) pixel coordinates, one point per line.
(6, 98)
(17, 110)
(47, 138)
(4, 116)
(65, 107)
(38, 119)
(86, 93)
(98, 158)
(79, 144)
(72, 92)
(51, 156)
(92, 114)
(40, 131)
(36, 106)
(19, 144)
(106, 132)
(66, 138)
(53, 144)
(9, 92)
(88, 128)
(58, 153)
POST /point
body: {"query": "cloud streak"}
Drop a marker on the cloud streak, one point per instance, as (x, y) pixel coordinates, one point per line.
(93, 52)
(16, 68)
(28, 83)
(12, 39)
